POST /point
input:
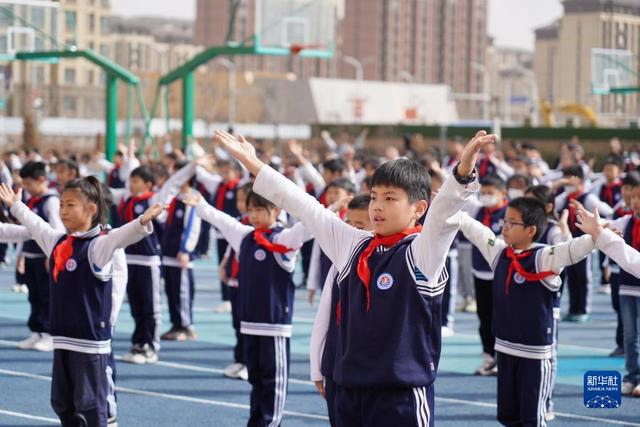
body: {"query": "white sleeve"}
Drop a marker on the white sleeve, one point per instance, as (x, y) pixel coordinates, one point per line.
(481, 237)
(320, 327)
(129, 164)
(336, 238)
(592, 202)
(555, 258)
(311, 174)
(51, 208)
(172, 187)
(231, 229)
(45, 236)
(431, 247)
(119, 194)
(211, 181)
(556, 236)
(615, 248)
(119, 279)
(103, 249)
(293, 237)
(504, 170)
(313, 277)
(12, 233)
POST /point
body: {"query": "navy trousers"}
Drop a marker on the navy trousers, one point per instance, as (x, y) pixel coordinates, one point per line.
(267, 360)
(36, 278)
(579, 281)
(238, 349)
(180, 287)
(143, 292)
(79, 388)
(523, 389)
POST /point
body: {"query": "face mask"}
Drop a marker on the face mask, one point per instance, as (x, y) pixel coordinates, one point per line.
(514, 193)
(488, 200)
(570, 188)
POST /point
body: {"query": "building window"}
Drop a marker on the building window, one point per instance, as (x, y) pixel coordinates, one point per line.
(69, 104)
(104, 25)
(40, 74)
(92, 23)
(104, 49)
(90, 77)
(69, 75)
(70, 21)
(105, 3)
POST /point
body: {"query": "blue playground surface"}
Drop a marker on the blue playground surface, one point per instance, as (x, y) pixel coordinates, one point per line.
(187, 386)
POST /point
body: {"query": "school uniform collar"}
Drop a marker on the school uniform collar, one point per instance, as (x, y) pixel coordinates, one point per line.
(95, 231)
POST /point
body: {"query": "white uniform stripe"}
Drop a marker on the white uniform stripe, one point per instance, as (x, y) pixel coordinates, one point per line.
(185, 293)
(416, 398)
(426, 407)
(276, 398)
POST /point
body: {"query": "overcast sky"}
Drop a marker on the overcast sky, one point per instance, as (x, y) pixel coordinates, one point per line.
(511, 22)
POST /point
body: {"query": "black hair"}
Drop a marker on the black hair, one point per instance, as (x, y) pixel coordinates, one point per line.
(407, 175)
(631, 178)
(345, 183)
(615, 160)
(373, 161)
(367, 180)
(232, 163)
(159, 171)
(257, 201)
(106, 193)
(533, 212)
(360, 202)
(334, 165)
(71, 165)
(526, 145)
(543, 194)
(33, 170)
(145, 173)
(492, 180)
(519, 177)
(573, 171)
(91, 189)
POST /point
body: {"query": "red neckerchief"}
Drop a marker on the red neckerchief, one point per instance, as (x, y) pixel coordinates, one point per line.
(32, 201)
(61, 255)
(364, 273)
(261, 239)
(486, 219)
(452, 160)
(515, 265)
(171, 211)
(621, 211)
(484, 166)
(323, 198)
(126, 210)
(607, 192)
(635, 233)
(572, 210)
(222, 192)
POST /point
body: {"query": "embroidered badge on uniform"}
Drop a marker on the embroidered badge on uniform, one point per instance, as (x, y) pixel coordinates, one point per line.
(518, 279)
(385, 281)
(70, 265)
(138, 209)
(229, 195)
(179, 213)
(492, 242)
(260, 255)
(552, 251)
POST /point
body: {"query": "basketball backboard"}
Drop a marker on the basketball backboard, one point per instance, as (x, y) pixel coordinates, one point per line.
(610, 68)
(303, 26)
(27, 26)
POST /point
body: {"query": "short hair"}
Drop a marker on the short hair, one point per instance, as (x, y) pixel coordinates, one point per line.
(374, 161)
(573, 171)
(533, 212)
(345, 183)
(525, 180)
(71, 165)
(231, 163)
(631, 178)
(360, 202)
(145, 173)
(159, 171)
(334, 165)
(257, 201)
(407, 175)
(33, 170)
(367, 180)
(615, 160)
(492, 180)
(543, 194)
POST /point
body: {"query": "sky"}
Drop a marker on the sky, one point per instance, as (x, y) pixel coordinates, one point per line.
(511, 22)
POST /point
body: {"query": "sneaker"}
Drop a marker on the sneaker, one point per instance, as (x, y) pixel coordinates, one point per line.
(577, 318)
(550, 416)
(135, 356)
(446, 332)
(180, 334)
(224, 307)
(27, 344)
(24, 289)
(628, 388)
(191, 333)
(112, 422)
(45, 343)
(232, 370)
(170, 334)
(471, 307)
(243, 373)
(604, 289)
(636, 391)
(16, 288)
(489, 366)
(617, 352)
(149, 354)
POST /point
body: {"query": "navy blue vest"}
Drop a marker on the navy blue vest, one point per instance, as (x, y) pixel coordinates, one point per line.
(497, 219)
(265, 289)
(329, 354)
(80, 302)
(174, 228)
(325, 266)
(113, 180)
(614, 198)
(397, 342)
(31, 246)
(525, 315)
(575, 231)
(150, 245)
(544, 239)
(230, 206)
(625, 278)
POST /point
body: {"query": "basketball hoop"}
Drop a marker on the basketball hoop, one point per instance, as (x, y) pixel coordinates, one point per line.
(296, 48)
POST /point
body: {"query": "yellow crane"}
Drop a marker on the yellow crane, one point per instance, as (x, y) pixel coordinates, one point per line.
(574, 108)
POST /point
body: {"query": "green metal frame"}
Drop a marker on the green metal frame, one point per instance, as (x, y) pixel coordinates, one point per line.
(114, 73)
(185, 73)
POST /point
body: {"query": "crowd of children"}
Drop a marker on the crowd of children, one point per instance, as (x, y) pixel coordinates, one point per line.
(482, 229)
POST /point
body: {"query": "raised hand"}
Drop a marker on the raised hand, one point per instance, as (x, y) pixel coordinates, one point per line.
(8, 196)
(588, 222)
(191, 198)
(204, 161)
(152, 213)
(563, 223)
(341, 203)
(471, 150)
(242, 150)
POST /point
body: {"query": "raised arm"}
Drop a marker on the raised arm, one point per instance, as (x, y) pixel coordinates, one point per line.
(616, 248)
(12, 233)
(481, 237)
(320, 328)
(172, 186)
(555, 258)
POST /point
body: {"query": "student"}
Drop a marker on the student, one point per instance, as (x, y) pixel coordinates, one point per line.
(80, 280)
(324, 335)
(46, 204)
(578, 275)
(386, 363)
(524, 288)
(626, 256)
(267, 255)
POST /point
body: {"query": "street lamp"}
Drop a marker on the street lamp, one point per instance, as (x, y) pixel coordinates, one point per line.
(231, 68)
(357, 65)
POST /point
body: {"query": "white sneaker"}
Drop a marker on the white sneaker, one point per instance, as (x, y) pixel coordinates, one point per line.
(224, 307)
(550, 416)
(150, 355)
(627, 388)
(135, 356)
(45, 343)
(489, 366)
(232, 370)
(15, 288)
(446, 332)
(24, 289)
(27, 344)
(636, 391)
(243, 373)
